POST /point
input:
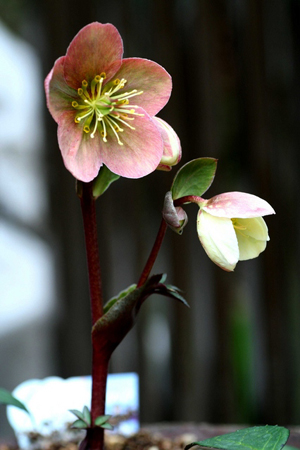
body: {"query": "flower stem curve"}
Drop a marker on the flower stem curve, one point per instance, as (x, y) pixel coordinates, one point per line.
(154, 252)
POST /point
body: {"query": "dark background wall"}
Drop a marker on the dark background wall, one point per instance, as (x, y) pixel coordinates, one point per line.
(234, 356)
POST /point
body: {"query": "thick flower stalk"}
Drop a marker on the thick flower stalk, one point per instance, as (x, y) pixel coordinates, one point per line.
(105, 106)
(231, 228)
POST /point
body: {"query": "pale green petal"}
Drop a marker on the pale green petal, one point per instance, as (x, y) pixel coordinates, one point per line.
(252, 235)
(255, 227)
(219, 240)
(249, 247)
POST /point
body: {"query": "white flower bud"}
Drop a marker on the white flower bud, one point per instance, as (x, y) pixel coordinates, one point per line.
(172, 148)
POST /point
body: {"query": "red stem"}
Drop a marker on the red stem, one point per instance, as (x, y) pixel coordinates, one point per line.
(95, 436)
(154, 252)
(188, 199)
(160, 236)
(99, 379)
(91, 243)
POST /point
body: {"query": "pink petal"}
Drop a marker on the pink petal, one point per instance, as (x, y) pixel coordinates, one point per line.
(140, 153)
(237, 204)
(58, 94)
(81, 153)
(96, 48)
(149, 77)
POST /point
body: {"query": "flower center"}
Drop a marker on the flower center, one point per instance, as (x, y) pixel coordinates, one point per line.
(103, 108)
(239, 228)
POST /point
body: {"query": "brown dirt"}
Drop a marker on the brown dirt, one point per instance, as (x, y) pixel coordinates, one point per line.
(157, 437)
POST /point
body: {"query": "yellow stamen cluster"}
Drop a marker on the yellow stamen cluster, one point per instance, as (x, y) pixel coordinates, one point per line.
(103, 108)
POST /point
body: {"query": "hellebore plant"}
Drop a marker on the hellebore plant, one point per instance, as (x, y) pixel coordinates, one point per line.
(105, 108)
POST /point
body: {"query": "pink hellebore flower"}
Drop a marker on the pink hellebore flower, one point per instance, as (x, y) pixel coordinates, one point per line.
(231, 229)
(104, 106)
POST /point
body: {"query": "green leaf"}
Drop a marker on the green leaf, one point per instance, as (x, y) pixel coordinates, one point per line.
(84, 416)
(87, 415)
(7, 399)
(194, 178)
(103, 181)
(108, 426)
(166, 289)
(77, 413)
(174, 292)
(79, 424)
(99, 421)
(169, 291)
(121, 295)
(254, 438)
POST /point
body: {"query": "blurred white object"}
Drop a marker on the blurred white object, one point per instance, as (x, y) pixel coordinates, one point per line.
(22, 173)
(50, 400)
(122, 399)
(26, 279)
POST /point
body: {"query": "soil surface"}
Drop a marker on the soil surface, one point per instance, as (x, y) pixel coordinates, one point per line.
(169, 436)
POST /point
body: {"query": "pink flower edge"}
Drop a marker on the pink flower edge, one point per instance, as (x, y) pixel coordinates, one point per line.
(95, 49)
(237, 204)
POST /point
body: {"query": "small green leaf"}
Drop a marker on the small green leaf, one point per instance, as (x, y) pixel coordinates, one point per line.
(7, 398)
(254, 438)
(121, 294)
(107, 426)
(84, 416)
(103, 181)
(194, 178)
(167, 290)
(99, 421)
(87, 415)
(77, 413)
(163, 278)
(79, 424)
(174, 292)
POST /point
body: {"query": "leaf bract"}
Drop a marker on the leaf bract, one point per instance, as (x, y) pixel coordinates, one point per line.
(194, 178)
(79, 424)
(86, 415)
(103, 181)
(121, 295)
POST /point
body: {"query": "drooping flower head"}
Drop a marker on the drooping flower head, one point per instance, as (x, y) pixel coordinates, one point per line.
(231, 229)
(230, 226)
(104, 106)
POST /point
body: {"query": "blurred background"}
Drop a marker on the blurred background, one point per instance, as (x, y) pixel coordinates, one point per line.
(234, 356)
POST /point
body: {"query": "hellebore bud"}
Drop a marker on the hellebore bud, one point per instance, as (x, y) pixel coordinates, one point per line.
(172, 148)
